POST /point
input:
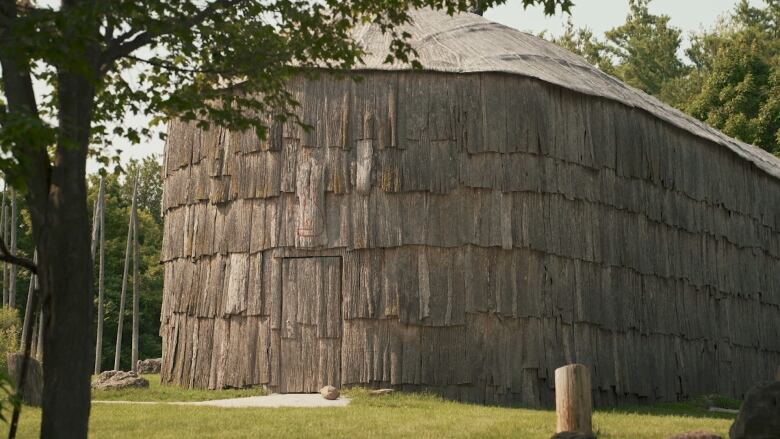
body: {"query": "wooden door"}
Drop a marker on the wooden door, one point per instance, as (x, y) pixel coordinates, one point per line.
(311, 324)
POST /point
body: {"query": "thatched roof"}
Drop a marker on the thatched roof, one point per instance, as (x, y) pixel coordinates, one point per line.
(469, 43)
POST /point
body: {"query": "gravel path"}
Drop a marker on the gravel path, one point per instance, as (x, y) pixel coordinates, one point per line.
(274, 400)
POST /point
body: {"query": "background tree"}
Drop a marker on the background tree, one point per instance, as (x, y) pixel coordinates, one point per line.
(641, 52)
(729, 77)
(738, 70)
(219, 62)
(118, 197)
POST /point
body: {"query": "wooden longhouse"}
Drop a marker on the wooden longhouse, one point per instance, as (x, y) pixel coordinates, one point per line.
(467, 229)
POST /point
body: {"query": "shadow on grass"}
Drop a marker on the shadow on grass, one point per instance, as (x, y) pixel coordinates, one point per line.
(696, 407)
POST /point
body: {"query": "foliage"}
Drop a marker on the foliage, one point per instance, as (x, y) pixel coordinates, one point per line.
(9, 335)
(642, 51)
(118, 198)
(738, 67)
(400, 415)
(8, 398)
(730, 78)
(161, 393)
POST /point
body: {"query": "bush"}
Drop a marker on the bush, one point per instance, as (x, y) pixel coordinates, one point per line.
(9, 335)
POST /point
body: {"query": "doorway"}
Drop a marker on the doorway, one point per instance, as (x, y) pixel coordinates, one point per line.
(311, 324)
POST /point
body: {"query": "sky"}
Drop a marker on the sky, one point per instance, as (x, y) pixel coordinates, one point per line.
(598, 15)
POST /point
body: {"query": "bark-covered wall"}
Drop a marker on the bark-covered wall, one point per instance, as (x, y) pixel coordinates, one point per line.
(490, 228)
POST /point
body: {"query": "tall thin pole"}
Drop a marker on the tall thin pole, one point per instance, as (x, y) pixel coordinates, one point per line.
(120, 318)
(12, 281)
(3, 236)
(28, 311)
(136, 280)
(39, 344)
(95, 213)
(101, 203)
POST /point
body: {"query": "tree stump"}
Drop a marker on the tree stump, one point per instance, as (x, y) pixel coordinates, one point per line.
(32, 392)
(573, 404)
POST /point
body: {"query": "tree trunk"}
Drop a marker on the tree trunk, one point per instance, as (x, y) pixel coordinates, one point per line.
(65, 268)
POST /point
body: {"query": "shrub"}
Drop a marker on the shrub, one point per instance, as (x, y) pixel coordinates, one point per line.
(9, 334)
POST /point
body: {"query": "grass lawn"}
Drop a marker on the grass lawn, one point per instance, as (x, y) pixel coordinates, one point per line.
(158, 392)
(395, 416)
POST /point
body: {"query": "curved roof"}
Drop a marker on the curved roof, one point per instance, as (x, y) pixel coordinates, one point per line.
(469, 43)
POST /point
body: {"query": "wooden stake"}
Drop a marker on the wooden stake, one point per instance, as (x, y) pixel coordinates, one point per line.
(136, 280)
(39, 344)
(118, 348)
(28, 309)
(3, 236)
(95, 213)
(573, 403)
(13, 271)
(101, 225)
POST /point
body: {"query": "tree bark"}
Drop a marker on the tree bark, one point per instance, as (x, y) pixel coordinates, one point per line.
(65, 270)
(123, 294)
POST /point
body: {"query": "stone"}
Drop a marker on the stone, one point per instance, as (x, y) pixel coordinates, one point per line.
(759, 415)
(117, 379)
(329, 392)
(32, 392)
(381, 392)
(149, 366)
(696, 434)
(573, 435)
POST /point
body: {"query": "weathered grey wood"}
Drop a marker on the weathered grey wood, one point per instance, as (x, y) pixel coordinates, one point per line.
(122, 295)
(12, 249)
(39, 335)
(573, 402)
(100, 221)
(508, 223)
(28, 311)
(311, 331)
(136, 281)
(4, 235)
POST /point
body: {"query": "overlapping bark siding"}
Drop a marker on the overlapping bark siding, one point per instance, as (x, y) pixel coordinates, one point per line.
(490, 228)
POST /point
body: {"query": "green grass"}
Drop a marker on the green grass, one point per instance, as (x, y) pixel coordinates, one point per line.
(396, 416)
(161, 393)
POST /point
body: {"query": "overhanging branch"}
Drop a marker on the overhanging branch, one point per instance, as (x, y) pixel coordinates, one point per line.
(6, 256)
(133, 40)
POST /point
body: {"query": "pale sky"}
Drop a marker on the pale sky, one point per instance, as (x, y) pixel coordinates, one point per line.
(598, 15)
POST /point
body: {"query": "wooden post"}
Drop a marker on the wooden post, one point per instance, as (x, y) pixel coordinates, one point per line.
(777, 374)
(39, 344)
(101, 225)
(3, 236)
(28, 309)
(13, 271)
(120, 318)
(136, 280)
(573, 399)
